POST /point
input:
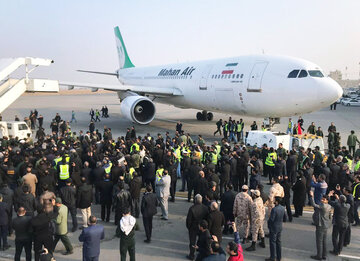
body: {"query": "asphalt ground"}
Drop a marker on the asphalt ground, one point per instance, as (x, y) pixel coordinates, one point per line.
(170, 238)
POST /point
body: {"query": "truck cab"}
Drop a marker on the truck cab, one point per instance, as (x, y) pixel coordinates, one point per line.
(14, 129)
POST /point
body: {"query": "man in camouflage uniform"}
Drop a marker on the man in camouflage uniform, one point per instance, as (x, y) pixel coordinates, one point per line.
(242, 213)
(257, 220)
(276, 190)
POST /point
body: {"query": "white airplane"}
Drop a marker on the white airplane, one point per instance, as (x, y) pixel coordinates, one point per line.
(254, 85)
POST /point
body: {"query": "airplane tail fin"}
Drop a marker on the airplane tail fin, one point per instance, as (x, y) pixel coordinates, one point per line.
(124, 60)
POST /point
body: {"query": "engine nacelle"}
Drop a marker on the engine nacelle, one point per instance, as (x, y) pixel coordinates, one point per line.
(138, 109)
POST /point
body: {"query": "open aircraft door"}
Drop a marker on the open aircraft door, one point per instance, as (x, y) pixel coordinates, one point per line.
(256, 76)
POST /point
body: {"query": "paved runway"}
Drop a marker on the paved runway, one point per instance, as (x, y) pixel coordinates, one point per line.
(170, 240)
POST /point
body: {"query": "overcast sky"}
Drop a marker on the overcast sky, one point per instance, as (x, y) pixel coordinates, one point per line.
(79, 34)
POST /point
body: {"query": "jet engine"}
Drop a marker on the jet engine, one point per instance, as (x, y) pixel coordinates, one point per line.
(138, 109)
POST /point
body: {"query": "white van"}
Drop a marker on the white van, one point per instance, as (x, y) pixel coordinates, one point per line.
(14, 129)
(271, 139)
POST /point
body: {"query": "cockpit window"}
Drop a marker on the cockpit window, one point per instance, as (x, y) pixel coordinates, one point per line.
(303, 74)
(316, 73)
(293, 74)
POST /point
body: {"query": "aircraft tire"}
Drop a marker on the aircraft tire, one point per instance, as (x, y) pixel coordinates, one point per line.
(210, 116)
(199, 116)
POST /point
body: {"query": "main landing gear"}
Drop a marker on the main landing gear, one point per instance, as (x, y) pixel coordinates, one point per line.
(204, 116)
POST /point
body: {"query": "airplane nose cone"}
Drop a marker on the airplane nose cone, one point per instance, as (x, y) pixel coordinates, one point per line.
(330, 92)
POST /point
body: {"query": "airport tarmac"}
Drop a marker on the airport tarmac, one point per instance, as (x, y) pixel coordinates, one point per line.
(345, 118)
(170, 239)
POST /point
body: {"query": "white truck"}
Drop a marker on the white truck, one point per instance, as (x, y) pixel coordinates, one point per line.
(14, 129)
(272, 139)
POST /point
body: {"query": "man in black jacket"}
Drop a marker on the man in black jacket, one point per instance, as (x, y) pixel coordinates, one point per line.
(22, 226)
(192, 178)
(224, 174)
(25, 199)
(148, 210)
(227, 203)
(68, 196)
(204, 241)
(285, 183)
(216, 221)
(106, 187)
(86, 172)
(43, 231)
(98, 175)
(122, 201)
(84, 198)
(341, 209)
(4, 222)
(195, 215)
(149, 173)
(135, 187)
(202, 184)
(8, 198)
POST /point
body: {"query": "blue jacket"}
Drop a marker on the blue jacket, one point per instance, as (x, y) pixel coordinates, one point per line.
(91, 237)
(320, 190)
(276, 219)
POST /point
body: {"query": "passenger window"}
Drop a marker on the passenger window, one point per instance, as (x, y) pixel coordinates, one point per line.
(222, 76)
(242, 75)
(293, 74)
(237, 76)
(303, 74)
(215, 76)
(233, 76)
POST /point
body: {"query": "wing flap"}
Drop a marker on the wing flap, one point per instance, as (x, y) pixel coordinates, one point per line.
(156, 91)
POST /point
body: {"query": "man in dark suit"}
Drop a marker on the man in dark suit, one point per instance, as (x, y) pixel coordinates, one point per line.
(22, 226)
(216, 221)
(148, 210)
(4, 221)
(149, 173)
(277, 217)
(106, 188)
(196, 214)
(226, 207)
(340, 221)
(91, 237)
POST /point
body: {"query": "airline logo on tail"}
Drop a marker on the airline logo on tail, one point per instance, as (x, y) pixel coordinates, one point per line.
(124, 60)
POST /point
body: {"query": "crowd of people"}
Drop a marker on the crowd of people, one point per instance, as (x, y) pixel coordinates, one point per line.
(43, 180)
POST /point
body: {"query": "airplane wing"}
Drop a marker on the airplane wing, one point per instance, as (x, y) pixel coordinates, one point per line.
(142, 90)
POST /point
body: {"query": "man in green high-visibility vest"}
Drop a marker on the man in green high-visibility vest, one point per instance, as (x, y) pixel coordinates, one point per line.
(63, 169)
(269, 168)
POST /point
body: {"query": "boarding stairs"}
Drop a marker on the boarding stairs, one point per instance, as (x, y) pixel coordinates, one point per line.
(11, 89)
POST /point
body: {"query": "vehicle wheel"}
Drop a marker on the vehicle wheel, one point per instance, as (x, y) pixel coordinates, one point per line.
(210, 116)
(199, 116)
(348, 104)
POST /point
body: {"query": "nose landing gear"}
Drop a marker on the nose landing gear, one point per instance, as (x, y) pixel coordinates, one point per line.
(204, 116)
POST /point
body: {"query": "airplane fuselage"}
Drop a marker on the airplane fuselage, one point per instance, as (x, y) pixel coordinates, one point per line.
(254, 85)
